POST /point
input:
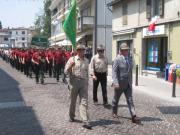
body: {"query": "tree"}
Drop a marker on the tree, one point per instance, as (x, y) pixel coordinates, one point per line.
(47, 19)
(39, 25)
(43, 21)
(0, 25)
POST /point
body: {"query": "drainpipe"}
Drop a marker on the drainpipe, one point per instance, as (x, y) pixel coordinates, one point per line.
(105, 26)
(95, 30)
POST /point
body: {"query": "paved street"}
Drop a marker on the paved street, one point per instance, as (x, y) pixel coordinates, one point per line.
(27, 108)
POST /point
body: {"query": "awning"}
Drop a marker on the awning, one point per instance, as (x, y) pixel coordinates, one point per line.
(112, 3)
(4, 45)
(57, 43)
(79, 38)
(122, 32)
(66, 42)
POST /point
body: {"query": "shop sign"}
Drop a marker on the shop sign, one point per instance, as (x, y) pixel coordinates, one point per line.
(159, 30)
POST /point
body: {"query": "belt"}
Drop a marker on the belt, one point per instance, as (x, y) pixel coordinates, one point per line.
(100, 72)
(77, 77)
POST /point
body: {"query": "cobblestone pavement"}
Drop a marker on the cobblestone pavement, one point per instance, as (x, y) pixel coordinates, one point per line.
(27, 108)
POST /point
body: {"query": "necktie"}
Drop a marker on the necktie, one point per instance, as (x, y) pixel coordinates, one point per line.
(127, 63)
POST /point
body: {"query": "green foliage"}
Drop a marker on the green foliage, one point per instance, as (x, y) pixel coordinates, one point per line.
(39, 41)
(38, 24)
(178, 73)
(43, 21)
(47, 19)
(0, 25)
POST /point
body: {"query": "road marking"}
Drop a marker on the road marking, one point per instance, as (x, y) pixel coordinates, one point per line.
(11, 104)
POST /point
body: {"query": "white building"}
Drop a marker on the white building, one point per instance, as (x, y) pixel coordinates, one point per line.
(94, 24)
(19, 37)
(4, 37)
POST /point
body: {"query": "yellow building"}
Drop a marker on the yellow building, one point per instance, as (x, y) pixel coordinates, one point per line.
(151, 50)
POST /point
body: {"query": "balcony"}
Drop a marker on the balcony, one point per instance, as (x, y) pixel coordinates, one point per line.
(85, 22)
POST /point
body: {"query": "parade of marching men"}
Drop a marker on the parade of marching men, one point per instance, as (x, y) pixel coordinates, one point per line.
(37, 61)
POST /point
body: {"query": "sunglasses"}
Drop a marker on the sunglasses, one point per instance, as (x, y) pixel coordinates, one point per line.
(100, 50)
(80, 49)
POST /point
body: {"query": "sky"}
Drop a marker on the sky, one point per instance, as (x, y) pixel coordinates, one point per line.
(19, 13)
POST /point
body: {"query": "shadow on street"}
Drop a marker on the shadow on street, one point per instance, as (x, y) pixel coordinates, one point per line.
(16, 118)
(169, 109)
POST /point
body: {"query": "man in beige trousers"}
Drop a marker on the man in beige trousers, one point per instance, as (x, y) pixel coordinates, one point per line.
(77, 67)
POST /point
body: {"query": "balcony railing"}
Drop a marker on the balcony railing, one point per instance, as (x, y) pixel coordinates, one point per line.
(85, 22)
(63, 11)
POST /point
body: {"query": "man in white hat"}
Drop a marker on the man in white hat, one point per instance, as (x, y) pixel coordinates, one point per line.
(78, 69)
(122, 81)
(99, 72)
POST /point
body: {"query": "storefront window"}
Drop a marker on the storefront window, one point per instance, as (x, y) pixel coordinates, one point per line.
(153, 54)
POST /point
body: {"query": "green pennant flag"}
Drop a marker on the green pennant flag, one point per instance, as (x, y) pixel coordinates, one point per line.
(69, 25)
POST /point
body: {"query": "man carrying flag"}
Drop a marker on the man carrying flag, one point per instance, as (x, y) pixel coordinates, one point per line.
(77, 67)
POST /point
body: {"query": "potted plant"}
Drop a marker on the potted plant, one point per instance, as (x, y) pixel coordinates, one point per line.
(178, 76)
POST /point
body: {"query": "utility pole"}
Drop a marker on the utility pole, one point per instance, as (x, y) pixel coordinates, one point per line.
(95, 30)
(105, 25)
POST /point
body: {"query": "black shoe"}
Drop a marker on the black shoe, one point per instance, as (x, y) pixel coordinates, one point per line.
(114, 115)
(136, 120)
(87, 125)
(105, 104)
(64, 81)
(95, 102)
(71, 120)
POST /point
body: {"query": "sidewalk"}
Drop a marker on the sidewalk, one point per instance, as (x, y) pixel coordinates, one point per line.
(153, 86)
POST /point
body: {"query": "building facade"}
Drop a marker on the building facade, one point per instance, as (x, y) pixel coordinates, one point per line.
(94, 24)
(19, 37)
(4, 37)
(16, 37)
(151, 50)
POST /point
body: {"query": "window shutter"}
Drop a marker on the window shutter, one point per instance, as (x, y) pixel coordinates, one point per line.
(148, 9)
(124, 12)
(161, 7)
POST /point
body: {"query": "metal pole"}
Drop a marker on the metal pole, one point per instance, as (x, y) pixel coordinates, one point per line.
(136, 75)
(105, 25)
(174, 83)
(95, 30)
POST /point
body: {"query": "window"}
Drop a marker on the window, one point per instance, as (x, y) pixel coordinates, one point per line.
(23, 32)
(69, 3)
(23, 45)
(124, 13)
(23, 38)
(86, 11)
(5, 39)
(54, 11)
(154, 8)
(10, 32)
(16, 32)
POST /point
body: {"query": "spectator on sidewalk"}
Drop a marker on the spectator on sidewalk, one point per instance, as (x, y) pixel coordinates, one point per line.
(77, 67)
(99, 68)
(122, 82)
